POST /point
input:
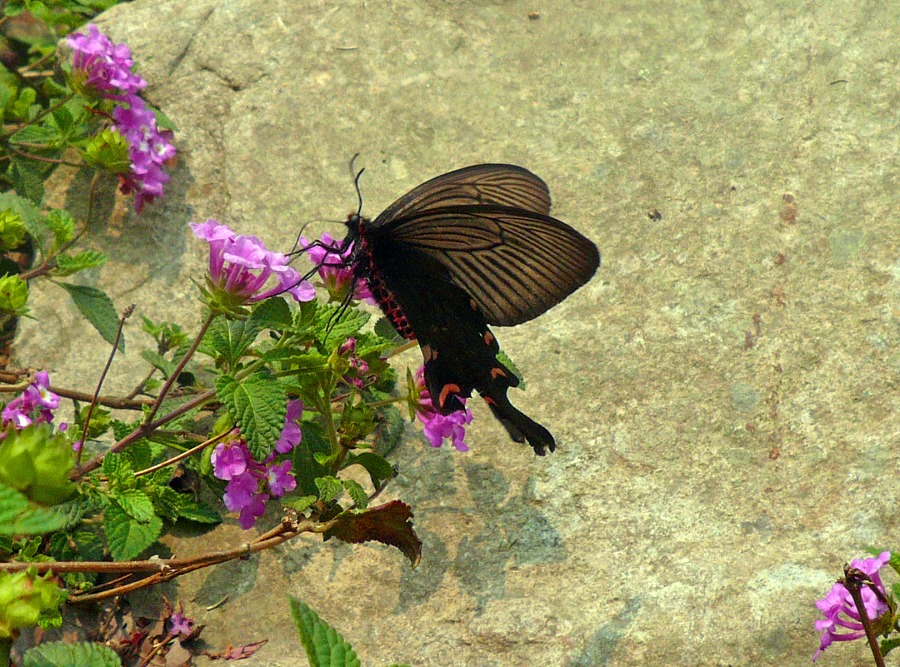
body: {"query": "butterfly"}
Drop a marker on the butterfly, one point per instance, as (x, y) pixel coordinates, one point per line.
(467, 249)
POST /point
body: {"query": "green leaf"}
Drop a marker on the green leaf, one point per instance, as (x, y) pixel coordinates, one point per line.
(324, 646)
(391, 428)
(506, 361)
(136, 503)
(18, 516)
(305, 467)
(357, 494)
(329, 488)
(28, 180)
(160, 362)
(389, 524)
(167, 502)
(67, 654)
(99, 310)
(303, 503)
(378, 468)
(273, 313)
(127, 537)
(258, 405)
(108, 150)
(888, 645)
(25, 209)
(118, 471)
(199, 512)
(89, 259)
(13, 295)
(62, 224)
(350, 322)
(385, 329)
(232, 338)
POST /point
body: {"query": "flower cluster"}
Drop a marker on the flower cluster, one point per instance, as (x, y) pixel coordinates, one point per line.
(149, 148)
(35, 405)
(358, 368)
(105, 69)
(240, 266)
(335, 269)
(251, 483)
(101, 65)
(840, 611)
(437, 426)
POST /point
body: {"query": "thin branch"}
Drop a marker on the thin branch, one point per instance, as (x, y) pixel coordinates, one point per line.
(182, 455)
(174, 376)
(853, 580)
(140, 432)
(112, 355)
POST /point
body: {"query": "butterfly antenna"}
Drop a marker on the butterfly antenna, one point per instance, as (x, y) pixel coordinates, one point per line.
(355, 175)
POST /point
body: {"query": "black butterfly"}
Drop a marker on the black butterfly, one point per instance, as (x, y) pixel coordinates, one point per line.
(473, 247)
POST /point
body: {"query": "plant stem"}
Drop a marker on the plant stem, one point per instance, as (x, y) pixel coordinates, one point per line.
(182, 455)
(37, 118)
(181, 364)
(853, 580)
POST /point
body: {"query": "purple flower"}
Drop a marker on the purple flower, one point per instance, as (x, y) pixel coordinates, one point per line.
(291, 435)
(149, 148)
(251, 483)
(102, 65)
(240, 267)
(335, 268)
(280, 478)
(230, 459)
(839, 602)
(438, 427)
(34, 405)
(179, 624)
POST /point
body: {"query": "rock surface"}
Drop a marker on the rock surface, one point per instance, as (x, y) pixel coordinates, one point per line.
(724, 392)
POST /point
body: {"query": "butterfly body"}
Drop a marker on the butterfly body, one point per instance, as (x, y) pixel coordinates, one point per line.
(467, 249)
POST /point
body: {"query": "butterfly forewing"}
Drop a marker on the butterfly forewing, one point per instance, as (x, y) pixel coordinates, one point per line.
(514, 264)
(500, 184)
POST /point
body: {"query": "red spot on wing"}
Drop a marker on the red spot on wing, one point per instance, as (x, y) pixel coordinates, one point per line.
(498, 373)
(488, 338)
(489, 400)
(446, 390)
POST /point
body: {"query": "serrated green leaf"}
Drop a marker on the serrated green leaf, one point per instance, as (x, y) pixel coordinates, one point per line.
(231, 339)
(199, 512)
(62, 224)
(888, 645)
(506, 361)
(385, 329)
(324, 646)
(273, 313)
(28, 180)
(258, 405)
(35, 134)
(303, 503)
(126, 537)
(329, 488)
(357, 494)
(136, 503)
(350, 322)
(118, 470)
(18, 516)
(391, 428)
(68, 654)
(13, 295)
(98, 309)
(89, 259)
(25, 209)
(167, 502)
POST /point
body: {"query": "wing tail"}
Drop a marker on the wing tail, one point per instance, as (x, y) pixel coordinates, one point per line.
(520, 426)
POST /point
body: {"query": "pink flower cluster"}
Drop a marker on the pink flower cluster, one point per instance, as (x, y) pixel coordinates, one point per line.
(437, 427)
(240, 266)
(106, 68)
(840, 611)
(251, 483)
(358, 367)
(335, 268)
(33, 406)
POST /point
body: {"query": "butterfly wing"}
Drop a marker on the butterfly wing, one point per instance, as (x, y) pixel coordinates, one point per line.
(515, 264)
(481, 184)
(460, 351)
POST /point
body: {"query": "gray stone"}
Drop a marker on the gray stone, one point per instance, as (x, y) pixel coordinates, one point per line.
(672, 526)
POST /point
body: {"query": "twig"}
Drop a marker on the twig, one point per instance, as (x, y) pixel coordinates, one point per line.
(182, 455)
(174, 376)
(853, 580)
(112, 355)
